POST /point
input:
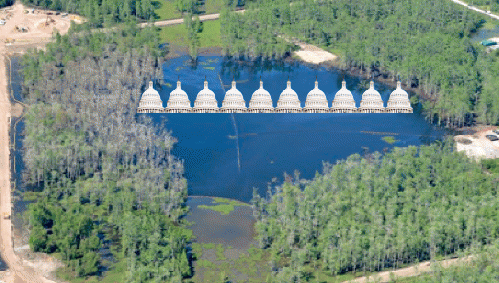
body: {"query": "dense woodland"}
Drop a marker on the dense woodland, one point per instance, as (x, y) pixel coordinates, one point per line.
(425, 43)
(491, 5)
(100, 12)
(109, 186)
(373, 212)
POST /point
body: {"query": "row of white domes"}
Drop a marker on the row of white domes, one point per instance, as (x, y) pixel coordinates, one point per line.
(261, 101)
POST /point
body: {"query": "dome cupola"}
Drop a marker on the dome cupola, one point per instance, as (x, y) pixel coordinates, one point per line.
(343, 101)
(233, 101)
(288, 101)
(261, 101)
(179, 101)
(205, 101)
(151, 101)
(316, 101)
(399, 101)
(371, 101)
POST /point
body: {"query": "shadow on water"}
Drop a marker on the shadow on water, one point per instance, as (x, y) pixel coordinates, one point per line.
(271, 144)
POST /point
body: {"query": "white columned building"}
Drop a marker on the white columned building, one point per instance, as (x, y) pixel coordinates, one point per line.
(343, 101)
(399, 101)
(233, 101)
(316, 101)
(150, 102)
(261, 101)
(205, 101)
(371, 101)
(288, 101)
(179, 101)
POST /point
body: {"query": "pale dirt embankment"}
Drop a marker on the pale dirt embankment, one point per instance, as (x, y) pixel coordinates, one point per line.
(477, 146)
(22, 30)
(415, 270)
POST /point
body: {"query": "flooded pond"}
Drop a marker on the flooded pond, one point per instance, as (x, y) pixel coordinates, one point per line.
(227, 155)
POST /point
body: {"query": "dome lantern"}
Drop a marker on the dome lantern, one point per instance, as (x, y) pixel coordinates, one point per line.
(205, 101)
(261, 101)
(233, 101)
(316, 101)
(371, 101)
(399, 101)
(150, 101)
(288, 101)
(343, 100)
(179, 101)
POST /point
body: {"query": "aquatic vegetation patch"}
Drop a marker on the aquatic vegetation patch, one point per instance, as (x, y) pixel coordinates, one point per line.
(223, 205)
(389, 139)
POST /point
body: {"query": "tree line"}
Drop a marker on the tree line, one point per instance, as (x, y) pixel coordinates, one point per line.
(425, 43)
(108, 185)
(378, 211)
(99, 12)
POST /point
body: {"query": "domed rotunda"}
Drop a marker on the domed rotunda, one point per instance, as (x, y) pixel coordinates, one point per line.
(179, 101)
(233, 101)
(371, 101)
(316, 101)
(399, 101)
(151, 101)
(205, 101)
(288, 101)
(343, 101)
(261, 101)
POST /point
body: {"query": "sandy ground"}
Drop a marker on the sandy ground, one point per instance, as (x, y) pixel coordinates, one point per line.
(386, 276)
(37, 34)
(480, 147)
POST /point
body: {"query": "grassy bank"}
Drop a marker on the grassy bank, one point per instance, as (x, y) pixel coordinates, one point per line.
(223, 205)
(208, 37)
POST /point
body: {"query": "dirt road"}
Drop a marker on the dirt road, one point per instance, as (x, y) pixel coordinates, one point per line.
(414, 270)
(21, 29)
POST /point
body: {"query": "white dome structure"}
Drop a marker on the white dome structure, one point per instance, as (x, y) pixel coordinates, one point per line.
(151, 101)
(179, 101)
(261, 101)
(205, 101)
(288, 101)
(316, 101)
(371, 101)
(343, 101)
(399, 101)
(233, 101)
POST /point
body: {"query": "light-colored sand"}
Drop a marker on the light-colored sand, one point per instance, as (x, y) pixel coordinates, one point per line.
(480, 147)
(11, 40)
(424, 267)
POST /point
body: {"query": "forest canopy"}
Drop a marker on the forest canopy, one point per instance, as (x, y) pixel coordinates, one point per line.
(373, 212)
(109, 187)
(425, 43)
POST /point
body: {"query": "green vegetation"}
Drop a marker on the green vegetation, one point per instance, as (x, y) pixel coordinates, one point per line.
(483, 268)
(99, 12)
(492, 165)
(492, 5)
(242, 266)
(107, 183)
(375, 212)
(426, 43)
(166, 10)
(224, 206)
(4, 3)
(389, 139)
(201, 35)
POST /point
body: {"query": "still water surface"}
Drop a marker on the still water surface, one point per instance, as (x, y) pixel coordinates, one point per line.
(271, 144)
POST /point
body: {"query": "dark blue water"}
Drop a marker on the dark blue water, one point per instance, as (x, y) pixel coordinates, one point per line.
(271, 144)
